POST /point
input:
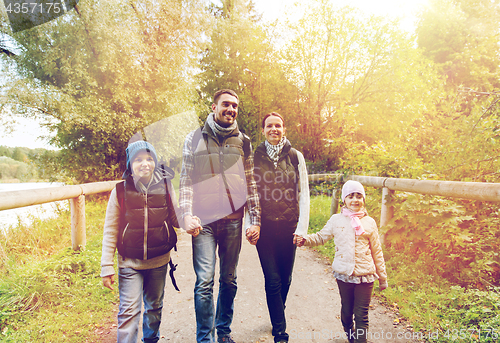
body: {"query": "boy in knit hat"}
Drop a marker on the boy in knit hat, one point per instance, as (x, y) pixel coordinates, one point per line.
(139, 222)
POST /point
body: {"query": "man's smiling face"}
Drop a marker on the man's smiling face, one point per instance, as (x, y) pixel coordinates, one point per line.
(225, 110)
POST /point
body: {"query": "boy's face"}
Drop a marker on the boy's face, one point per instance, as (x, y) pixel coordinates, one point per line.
(143, 166)
(354, 202)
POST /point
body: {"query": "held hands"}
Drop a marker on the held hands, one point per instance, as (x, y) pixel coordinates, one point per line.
(192, 225)
(253, 234)
(108, 281)
(298, 240)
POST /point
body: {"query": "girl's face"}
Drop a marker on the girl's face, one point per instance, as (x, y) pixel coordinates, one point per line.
(355, 202)
(143, 166)
(274, 129)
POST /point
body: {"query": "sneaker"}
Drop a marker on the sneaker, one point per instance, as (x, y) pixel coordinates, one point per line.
(225, 339)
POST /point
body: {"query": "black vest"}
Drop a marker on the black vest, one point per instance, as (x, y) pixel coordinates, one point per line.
(278, 187)
(146, 227)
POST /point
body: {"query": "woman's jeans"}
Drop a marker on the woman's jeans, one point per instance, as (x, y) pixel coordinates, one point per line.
(134, 284)
(225, 233)
(277, 256)
(355, 299)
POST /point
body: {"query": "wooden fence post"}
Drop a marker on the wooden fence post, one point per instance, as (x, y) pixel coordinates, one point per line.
(78, 233)
(334, 207)
(387, 211)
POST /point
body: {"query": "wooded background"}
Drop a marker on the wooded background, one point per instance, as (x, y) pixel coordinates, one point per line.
(359, 95)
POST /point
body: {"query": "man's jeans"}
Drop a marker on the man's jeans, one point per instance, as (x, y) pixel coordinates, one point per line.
(226, 234)
(134, 284)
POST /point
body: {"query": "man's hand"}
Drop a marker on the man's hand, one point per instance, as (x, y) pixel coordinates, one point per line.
(253, 234)
(107, 281)
(192, 225)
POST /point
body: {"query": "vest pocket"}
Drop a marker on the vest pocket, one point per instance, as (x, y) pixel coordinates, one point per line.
(124, 232)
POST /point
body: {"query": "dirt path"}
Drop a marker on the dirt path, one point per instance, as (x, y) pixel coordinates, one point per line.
(313, 304)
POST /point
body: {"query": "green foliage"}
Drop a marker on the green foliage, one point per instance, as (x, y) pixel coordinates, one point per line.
(459, 240)
(242, 56)
(461, 36)
(99, 75)
(419, 289)
(43, 282)
(11, 169)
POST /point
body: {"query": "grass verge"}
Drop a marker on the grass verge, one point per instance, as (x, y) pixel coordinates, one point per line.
(426, 303)
(48, 292)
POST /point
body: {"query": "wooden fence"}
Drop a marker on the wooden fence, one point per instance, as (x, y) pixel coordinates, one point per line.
(76, 194)
(465, 190)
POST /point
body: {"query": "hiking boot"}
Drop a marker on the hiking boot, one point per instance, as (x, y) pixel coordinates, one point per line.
(225, 339)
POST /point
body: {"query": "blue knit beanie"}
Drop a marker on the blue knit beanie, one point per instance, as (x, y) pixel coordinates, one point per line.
(136, 147)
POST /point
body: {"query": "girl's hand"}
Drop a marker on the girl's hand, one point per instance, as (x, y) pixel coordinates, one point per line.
(383, 285)
(298, 240)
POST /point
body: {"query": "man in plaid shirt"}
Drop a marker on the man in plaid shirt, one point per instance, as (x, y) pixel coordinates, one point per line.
(216, 185)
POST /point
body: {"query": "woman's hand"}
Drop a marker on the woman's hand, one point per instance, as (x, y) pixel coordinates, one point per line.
(192, 225)
(298, 240)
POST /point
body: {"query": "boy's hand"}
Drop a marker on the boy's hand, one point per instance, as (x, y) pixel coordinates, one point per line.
(107, 281)
(253, 234)
(298, 240)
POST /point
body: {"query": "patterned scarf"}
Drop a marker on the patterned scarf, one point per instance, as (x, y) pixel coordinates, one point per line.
(274, 151)
(219, 130)
(355, 222)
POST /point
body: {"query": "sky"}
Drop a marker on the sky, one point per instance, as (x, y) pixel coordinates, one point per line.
(27, 131)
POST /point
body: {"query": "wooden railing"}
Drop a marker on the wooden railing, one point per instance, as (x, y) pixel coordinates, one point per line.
(76, 195)
(465, 190)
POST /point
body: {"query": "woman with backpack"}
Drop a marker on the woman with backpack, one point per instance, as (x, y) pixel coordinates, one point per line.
(281, 176)
(140, 221)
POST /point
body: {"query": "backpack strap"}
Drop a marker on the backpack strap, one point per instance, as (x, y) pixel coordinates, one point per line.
(120, 194)
(294, 158)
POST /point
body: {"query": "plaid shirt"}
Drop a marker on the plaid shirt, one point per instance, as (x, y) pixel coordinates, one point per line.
(186, 183)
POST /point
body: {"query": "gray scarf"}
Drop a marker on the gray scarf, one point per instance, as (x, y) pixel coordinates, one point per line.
(219, 130)
(274, 151)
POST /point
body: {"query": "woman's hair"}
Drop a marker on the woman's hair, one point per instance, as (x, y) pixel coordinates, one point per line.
(272, 114)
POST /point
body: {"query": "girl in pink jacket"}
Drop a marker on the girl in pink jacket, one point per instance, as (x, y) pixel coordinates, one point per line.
(358, 261)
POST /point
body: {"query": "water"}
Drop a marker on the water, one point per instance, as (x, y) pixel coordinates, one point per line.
(24, 215)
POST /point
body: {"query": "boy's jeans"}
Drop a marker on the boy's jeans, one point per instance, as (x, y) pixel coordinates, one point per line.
(134, 284)
(225, 233)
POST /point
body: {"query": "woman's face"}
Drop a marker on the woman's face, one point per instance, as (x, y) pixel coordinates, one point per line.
(274, 129)
(143, 166)
(355, 202)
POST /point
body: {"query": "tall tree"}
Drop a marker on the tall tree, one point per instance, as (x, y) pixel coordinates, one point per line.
(242, 56)
(359, 79)
(106, 71)
(462, 37)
